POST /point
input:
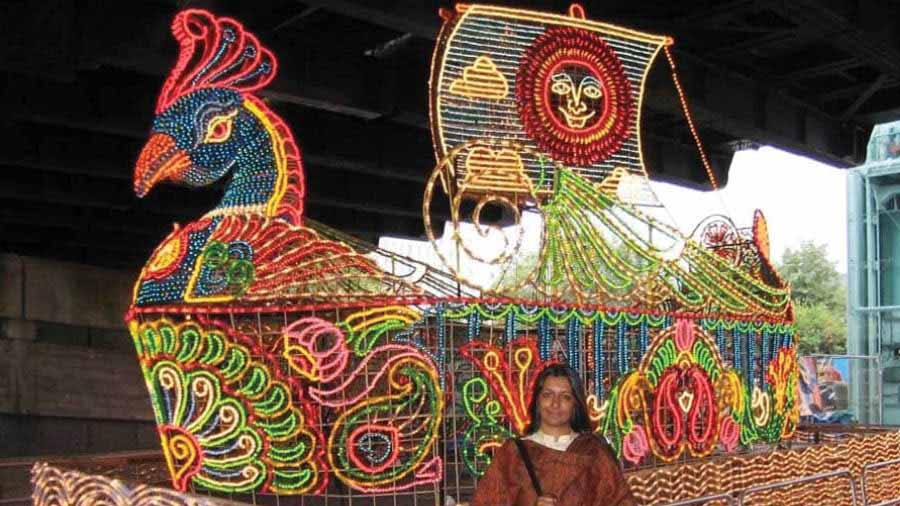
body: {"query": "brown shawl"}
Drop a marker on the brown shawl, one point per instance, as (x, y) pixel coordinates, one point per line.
(586, 474)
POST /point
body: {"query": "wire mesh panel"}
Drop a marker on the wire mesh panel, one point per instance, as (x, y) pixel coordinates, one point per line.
(407, 403)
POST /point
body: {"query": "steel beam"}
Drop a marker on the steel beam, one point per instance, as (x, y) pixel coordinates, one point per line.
(876, 85)
(746, 110)
(879, 49)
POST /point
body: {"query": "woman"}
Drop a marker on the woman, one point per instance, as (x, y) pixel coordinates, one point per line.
(571, 465)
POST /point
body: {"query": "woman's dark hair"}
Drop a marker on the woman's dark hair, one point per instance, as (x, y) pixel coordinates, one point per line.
(580, 421)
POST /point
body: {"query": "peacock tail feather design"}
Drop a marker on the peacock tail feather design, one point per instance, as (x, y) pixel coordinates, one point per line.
(227, 420)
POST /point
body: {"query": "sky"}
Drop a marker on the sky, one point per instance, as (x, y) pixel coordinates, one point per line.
(802, 200)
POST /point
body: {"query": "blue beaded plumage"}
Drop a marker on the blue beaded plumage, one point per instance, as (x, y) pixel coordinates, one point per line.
(171, 288)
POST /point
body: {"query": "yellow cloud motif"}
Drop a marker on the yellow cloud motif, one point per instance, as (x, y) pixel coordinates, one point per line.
(489, 170)
(481, 80)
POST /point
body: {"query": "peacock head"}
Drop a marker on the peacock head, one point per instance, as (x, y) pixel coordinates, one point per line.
(197, 140)
(208, 121)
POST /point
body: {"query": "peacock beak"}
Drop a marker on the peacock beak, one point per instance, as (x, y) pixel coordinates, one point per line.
(159, 160)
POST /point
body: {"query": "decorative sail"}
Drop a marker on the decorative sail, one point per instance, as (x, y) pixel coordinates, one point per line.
(537, 112)
(550, 89)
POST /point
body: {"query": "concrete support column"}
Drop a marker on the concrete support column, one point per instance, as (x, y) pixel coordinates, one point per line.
(69, 379)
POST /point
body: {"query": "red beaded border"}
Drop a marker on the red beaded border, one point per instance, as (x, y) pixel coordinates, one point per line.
(579, 147)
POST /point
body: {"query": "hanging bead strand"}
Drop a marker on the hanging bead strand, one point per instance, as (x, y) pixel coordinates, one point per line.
(622, 346)
(509, 331)
(441, 321)
(751, 358)
(644, 339)
(736, 349)
(474, 325)
(573, 344)
(599, 356)
(545, 340)
(720, 340)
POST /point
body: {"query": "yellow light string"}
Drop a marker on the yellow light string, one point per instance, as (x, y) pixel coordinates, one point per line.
(690, 120)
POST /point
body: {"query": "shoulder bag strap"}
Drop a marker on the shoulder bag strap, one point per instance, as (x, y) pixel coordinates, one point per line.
(529, 466)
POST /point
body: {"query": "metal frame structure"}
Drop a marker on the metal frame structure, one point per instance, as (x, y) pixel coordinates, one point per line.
(874, 302)
(797, 481)
(728, 498)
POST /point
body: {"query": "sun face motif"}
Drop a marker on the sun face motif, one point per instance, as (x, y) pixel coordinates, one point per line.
(574, 97)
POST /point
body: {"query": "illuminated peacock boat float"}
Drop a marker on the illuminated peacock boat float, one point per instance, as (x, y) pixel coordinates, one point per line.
(283, 357)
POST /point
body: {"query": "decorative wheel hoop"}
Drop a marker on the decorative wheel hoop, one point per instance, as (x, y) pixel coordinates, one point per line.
(459, 189)
(719, 234)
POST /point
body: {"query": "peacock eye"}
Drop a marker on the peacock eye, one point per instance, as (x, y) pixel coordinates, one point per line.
(218, 129)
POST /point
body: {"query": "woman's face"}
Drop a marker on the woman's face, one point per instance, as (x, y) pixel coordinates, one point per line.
(556, 403)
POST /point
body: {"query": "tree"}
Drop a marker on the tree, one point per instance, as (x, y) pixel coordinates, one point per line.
(821, 330)
(820, 298)
(814, 279)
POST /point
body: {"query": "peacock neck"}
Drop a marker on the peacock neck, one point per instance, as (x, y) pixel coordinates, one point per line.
(259, 171)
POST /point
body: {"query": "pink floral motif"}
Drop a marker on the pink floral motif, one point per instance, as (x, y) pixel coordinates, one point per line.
(315, 349)
(635, 447)
(684, 335)
(729, 433)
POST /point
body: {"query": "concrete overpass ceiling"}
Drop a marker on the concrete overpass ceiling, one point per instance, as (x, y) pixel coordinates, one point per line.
(81, 81)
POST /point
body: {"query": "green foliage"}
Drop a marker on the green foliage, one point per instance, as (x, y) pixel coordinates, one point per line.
(821, 329)
(814, 279)
(820, 298)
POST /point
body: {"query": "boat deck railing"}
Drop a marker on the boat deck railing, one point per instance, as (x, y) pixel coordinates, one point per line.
(868, 469)
(148, 469)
